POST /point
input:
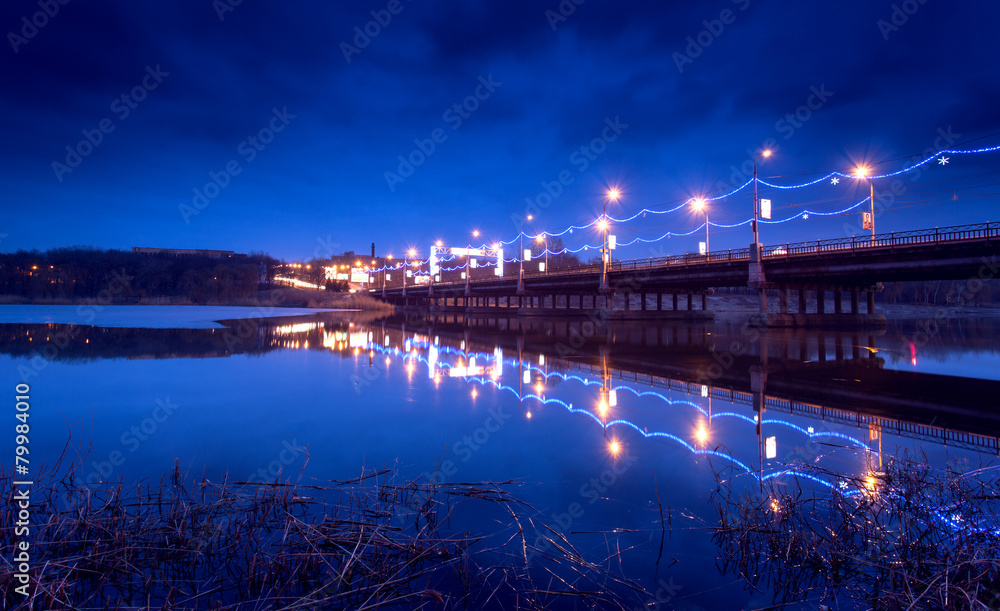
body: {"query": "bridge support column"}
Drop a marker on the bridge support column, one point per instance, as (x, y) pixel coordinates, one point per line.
(854, 301)
(820, 302)
(763, 301)
(674, 295)
(783, 301)
(659, 301)
(704, 301)
(870, 297)
(642, 296)
(802, 301)
(838, 302)
(628, 301)
(690, 299)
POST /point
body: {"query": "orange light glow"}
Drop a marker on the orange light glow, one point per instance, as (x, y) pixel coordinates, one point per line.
(766, 153)
(614, 194)
(615, 448)
(698, 204)
(701, 434)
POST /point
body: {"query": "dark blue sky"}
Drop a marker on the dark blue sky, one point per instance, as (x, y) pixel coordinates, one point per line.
(665, 99)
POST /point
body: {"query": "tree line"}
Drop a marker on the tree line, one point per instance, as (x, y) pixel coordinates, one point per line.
(118, 276)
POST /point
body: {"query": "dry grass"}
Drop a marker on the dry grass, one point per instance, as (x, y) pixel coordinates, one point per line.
(373, 541)
(910, 538)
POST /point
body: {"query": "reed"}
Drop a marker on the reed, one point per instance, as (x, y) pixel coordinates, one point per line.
(905, 536)
(374, 541)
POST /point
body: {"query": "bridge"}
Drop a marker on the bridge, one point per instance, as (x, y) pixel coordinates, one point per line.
(671, 287)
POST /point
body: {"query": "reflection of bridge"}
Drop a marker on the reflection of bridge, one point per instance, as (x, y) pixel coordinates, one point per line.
(831, 376)
(854, 266)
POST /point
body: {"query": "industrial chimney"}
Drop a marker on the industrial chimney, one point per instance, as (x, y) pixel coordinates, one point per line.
(373, 250)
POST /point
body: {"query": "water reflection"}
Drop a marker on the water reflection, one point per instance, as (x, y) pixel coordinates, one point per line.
(608, 416)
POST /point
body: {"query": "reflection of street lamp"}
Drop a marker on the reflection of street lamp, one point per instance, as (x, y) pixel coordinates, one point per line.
(613, 195)
(701, 205)
(865, 172)
(520, 258)
(756, 201)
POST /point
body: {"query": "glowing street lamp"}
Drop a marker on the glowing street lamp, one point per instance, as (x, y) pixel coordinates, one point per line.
(865, 172)
(468, 261)
(410, 254)
(613, 195)
(540, 238)
(756, 200)
(702, 206)
(520, 258)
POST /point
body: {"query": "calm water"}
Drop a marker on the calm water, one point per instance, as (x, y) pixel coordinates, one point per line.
(597, 426)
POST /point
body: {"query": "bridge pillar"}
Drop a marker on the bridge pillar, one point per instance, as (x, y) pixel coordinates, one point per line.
(802, 301)
(642, 296)
(763, 300)
(854, 301)
(704, 302)
(783, 300)
(838, 302)
(690, 299)
(674, 295)
(659, 301)
(628, 301)
(870, 297)
(820, 302)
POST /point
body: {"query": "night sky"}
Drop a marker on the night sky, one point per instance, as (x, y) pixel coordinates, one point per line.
(290, 122)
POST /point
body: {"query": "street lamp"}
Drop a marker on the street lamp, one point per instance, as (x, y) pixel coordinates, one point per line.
(756, 200)
(613, 195)
(468, 257)
(410, 254)
(702, 205)
(520, 257)
(865, 172)
(541, 240)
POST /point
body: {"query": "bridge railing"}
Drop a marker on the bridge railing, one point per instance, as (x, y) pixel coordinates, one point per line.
(893, 238)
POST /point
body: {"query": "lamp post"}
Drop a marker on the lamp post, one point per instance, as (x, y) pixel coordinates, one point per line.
(385, 272)
(468, 267)
(520, 257)
(605, 252)
(702, 205)
(756, 200)
(410, 254)
(865, 172)
(541, 240)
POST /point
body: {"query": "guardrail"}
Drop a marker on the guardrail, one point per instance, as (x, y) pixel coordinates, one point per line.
(987, 230)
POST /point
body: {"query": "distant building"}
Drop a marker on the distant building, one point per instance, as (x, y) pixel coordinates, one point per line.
(187, 252)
